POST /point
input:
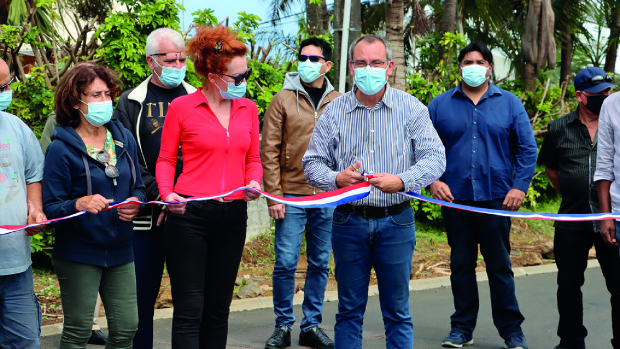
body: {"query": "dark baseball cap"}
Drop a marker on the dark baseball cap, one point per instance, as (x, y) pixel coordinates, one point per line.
(593, 80)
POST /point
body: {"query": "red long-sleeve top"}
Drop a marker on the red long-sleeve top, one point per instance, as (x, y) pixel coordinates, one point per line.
(215, 160)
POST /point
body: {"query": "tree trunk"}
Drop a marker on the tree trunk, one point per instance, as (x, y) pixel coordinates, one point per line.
(325, 14)
(448, 22)
(566, 56)
(529, 76)
(314, 18)
(356, 23)
(394, 19)
(612, 49)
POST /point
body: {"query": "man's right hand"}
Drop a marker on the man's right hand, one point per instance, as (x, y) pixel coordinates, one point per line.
(349, 176)
(608, 231)
(277, 211)
(441, 191)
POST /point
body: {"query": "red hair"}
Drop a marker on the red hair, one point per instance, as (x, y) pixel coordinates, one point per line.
(213, 48)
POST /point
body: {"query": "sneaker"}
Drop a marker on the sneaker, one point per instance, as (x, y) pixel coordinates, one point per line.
(97, 338)
(457, 339)
(280, 339)
(516, 341)
(315, 338)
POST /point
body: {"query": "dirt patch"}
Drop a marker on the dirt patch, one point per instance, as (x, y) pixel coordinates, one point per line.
(431, 259)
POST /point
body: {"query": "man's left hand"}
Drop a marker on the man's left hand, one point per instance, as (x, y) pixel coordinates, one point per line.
(35, 216)
(513, 200)
(387, 183)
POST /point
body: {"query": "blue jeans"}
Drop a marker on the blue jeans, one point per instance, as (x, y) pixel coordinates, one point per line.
(20, 313)
(465, 231)
(385, 244)
(289, 231)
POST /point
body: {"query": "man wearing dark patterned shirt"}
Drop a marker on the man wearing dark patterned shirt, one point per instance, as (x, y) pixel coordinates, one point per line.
(569, 155)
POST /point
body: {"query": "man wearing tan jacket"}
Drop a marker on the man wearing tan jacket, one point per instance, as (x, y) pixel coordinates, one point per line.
(289, 123)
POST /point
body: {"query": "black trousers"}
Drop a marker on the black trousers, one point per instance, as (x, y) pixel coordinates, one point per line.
(203, 250)
(571, 256)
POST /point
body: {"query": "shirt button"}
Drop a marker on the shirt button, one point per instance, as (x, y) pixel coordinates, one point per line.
(372, 130)
(474, 122)
(474, 136)
(372, 151)
(473, 165)
(287, 158)
(474, 151)
(474, 181)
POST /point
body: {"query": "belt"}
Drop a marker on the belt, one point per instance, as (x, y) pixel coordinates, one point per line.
(375, 212)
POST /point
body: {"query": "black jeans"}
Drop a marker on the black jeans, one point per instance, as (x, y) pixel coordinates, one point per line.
(571, 256)
(203, 250)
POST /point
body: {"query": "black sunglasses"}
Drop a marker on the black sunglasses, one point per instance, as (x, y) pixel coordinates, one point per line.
(314, 59)
(597, 80)
(110, 170)
(239, 78)
(5, 86)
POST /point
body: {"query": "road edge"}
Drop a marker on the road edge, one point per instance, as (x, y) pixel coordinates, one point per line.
(332, 296)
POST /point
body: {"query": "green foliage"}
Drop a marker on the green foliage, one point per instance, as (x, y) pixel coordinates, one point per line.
(245, 27)
(32, 101)
(191, 77)
(44, 239)
(10, 35)
(205, 18)
(270, 81)
(436, 74)
(426, 211)
(123, 37)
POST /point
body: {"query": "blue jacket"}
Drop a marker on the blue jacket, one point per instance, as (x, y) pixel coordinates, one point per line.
(98, 239)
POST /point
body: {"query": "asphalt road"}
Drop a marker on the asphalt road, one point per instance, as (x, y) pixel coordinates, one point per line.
(431, 310)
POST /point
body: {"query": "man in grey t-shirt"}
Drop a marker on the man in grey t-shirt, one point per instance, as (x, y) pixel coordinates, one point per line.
(21, 172)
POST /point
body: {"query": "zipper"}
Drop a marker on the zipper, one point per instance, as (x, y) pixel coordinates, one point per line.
(590, 181)
(225, 155)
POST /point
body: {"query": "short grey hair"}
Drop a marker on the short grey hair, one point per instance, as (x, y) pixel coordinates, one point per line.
(370, 38)
(158, 35)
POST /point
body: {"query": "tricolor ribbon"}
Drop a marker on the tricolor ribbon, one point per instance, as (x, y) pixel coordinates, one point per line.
(343, 196)
(328, 199)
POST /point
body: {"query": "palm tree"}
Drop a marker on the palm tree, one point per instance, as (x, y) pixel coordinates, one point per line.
(394, 18)
(538, 52)
(614, 28)
(448, 21)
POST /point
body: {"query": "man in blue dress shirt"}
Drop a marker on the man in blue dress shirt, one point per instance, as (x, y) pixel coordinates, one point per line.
(388, 133)
(491, 158)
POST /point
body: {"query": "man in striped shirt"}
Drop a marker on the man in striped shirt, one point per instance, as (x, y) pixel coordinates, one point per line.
(388, 133)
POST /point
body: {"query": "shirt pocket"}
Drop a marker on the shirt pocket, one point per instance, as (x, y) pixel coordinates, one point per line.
(498, 121)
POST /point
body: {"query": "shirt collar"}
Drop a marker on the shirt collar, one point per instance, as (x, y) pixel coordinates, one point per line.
(199, 98)
(573, 116)
(387, 100)
(492, 90)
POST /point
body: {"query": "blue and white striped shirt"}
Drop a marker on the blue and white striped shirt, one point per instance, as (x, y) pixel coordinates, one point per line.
(396, 136)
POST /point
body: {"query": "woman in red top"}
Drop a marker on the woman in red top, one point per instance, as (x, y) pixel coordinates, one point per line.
(218, 135)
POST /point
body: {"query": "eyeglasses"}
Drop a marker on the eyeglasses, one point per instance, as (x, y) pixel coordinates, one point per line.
(239, 78)
(313, 59)
(362, 64)
(110, 170)
(5, 86)
(597, 80)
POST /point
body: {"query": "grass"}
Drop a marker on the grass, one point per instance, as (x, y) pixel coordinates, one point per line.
(540, 226)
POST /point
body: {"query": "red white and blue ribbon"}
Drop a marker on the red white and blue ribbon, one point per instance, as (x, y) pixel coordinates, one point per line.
(343, 196)
(328, 199)
(526, 215)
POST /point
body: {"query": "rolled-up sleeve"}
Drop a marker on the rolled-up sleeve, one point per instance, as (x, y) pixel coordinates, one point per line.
(429, 152)
(319, 162)
(606, 150)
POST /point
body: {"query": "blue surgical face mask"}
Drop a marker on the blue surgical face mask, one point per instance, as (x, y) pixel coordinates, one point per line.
(234, 92)
(5, 99)
(370, 80)
(309, 71)
(99, 113)
(474, 75)
(171, 77)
